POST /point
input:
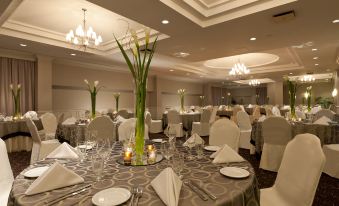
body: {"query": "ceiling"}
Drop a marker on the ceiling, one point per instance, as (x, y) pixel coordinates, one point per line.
(217, 37)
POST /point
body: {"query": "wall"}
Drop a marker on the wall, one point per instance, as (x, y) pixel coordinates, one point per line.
(275, 91)
(44, 97)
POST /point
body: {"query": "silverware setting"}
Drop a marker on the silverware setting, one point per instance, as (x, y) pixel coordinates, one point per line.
(196, 190)
(138, 195)
(134, 192)
(71, 194)
(208, 193)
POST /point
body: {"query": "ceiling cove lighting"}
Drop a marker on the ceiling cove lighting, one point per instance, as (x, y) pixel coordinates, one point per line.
(307, 78)
(82, 36)
(254, 82)
(239, 69)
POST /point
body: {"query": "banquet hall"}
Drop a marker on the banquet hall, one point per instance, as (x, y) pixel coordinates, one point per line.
(169, 102)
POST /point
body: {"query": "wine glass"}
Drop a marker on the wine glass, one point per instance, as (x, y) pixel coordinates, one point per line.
(199, 148)
(178, 163)
(167, 150)
(103, 148)
(97, 166)
(190, 145)
(171, 133)
(81, 149)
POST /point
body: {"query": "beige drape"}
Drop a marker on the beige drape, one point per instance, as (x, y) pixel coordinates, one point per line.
(17, 71)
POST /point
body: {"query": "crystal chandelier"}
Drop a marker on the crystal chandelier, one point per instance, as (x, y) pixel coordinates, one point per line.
(239, 69)
(82, 37)
(307, 78)
(254, 82)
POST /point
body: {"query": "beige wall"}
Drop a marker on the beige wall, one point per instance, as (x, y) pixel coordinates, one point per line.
(44, 96)
(275, 91)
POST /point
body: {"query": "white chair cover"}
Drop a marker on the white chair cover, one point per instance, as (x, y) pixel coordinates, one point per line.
(256, 113)
(276, 111)
(324, 112)
(105, 127)
(236, 109)
(6, 174)
(50, 123)
(202, 128)
(298, 175)
(127, 128)
(124, 113)
(213, 114)
(175, 121)
(224, 131)
(245, 127)
(155, 126)
(269, 112)
(331, 152)
(276, 132)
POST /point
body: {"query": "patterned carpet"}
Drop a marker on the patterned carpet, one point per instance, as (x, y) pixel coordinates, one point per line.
(327, 192)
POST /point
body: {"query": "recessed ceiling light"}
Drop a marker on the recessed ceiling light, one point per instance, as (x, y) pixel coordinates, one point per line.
(315, 57)
(314, 49)
(316, 64)
(171, 70)
(165, 21)
(73, 54)
(291, 73)
(335, 21)
(181, 54)
(23, 45)
(253, 38)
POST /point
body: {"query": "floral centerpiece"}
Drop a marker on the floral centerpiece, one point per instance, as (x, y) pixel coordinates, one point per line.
(308, 96)
(182, 93)
(139, 66)
(116, 97)
(292, 90)
(16, 97)
(93, 90)
(202, 99)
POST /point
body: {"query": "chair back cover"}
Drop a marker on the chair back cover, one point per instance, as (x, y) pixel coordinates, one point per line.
(205, 116)
(6, 174)
(104, 125)
(49, 122)
(244, 121)
(236, 109)
(242, 107)
(127, 128)
(324, 112)
(276, 131)
(148, 119)
(276, 111)
(224, 131)
(300, 170)
(123, 113)
(173, 117)
(256, 112)
(269, 112)
(213, 114)
(36, 140)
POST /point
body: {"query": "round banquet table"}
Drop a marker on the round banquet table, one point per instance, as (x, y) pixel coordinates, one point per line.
(229, 191)
(328, 134)
(186, 118)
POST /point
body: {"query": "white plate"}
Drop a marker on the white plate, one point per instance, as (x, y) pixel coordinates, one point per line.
(234, 172)
(111, 196)
(84, 146)
(157, 140)
(212, 148)
(35, 172)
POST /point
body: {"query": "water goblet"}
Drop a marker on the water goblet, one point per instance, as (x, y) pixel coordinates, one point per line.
(199, 148)
(178, 163)
(190, 145)
(166, 151)
(82, 150)
(97, 166)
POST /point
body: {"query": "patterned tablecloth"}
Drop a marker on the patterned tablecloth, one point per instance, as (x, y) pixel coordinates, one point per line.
(328, 134)
(16, 128)
(186, 118)
(229, 191)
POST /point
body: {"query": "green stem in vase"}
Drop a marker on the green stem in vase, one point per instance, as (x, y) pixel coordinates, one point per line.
(93, 104)
(140, 124)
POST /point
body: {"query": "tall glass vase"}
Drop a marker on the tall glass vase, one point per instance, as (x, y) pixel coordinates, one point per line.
(309, 103)
(117, 104)
(17, 112)
(140, 106)
(182, 102)
(292, 105)
(93, 104)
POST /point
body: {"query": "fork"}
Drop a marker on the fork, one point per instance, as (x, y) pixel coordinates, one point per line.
(138, 195)
(134, 192)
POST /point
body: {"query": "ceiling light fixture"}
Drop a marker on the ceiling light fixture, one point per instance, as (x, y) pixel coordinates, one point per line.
(307, 78)
(335, 21)
(253, 39)
(73, 54)
(291, 73)
(239, 69)
(165, 21)
(314, 49)
(315, 58)
(23, 45)
(82, 37)
(171, 70)
(181, 54)
(254, 82)
(316, 64)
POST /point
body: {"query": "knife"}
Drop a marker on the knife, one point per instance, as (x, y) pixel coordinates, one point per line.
(75, 192)
(196, 190)
(213, 197)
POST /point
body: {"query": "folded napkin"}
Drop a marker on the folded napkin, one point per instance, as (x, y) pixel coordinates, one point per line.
(57, 176)
(69, 121)
(250, 106)
(262, 118)
(322, 120)
(167, 185)
(31, 115)
(64, 151)
(195, 138)
(226, 154)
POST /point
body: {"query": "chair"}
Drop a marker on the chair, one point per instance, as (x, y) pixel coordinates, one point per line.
(40, 149)
(127, 128)
(269, 112)
(236, 109)
(298, 175)
(298, 114)
(155, 126)
(175, 121)
(213, 115)
(224, 131)
(105, 127)
(124, 113)
(202, 128)
(324, 112)
(6, 174)
(256, 113)
(276, 111)
(245, 127)
(276, 132)
(331, 152)
(50, 123)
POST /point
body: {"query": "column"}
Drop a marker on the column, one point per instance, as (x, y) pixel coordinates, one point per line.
(44, 67)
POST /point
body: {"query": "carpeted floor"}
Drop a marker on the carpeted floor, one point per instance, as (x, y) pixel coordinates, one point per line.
(327, 192)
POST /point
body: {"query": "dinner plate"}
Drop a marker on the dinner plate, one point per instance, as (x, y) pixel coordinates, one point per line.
(157, 140)
(212, 148)
(35, 172)
(111, 196)
(234, 172)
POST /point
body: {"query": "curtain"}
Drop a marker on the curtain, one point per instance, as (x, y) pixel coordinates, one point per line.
(262, 91)
(17, 71)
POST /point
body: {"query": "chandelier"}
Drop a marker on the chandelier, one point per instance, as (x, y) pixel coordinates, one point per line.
(83, 37)
(239, 69)
(307, 78)
(254, 82)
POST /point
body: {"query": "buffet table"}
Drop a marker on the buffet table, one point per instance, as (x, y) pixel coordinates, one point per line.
(228, 191)
(186, 118)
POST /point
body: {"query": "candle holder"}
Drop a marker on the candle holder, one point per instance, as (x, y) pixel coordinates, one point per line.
(127, 157)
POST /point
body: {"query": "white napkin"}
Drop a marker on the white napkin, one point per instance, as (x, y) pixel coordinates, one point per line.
(64, 151)
(69, 121)
(226, 154)
(57, 176)
(120, 119)
(167, 185)
(31, 115)
(250, 106)
(262, 118)
(195, 138)
(8, 119)
(322, 120)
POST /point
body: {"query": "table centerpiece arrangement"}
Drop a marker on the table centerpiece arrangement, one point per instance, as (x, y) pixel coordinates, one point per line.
(182, 93)
(93, 90)
(116, 97)
(16, 98)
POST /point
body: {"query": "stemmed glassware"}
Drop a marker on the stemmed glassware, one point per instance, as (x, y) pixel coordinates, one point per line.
(97, 165)
(178, 163)
(81, 149)
(167, 151)
(199, 148)
(171, 133)
(103, 148)
(190, 145)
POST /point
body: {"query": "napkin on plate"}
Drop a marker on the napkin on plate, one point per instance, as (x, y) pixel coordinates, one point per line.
(57, 176)
(322, 120)
(64, 151)
(195, 138)
(167, 185)
(226, 154)
(69, 121)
